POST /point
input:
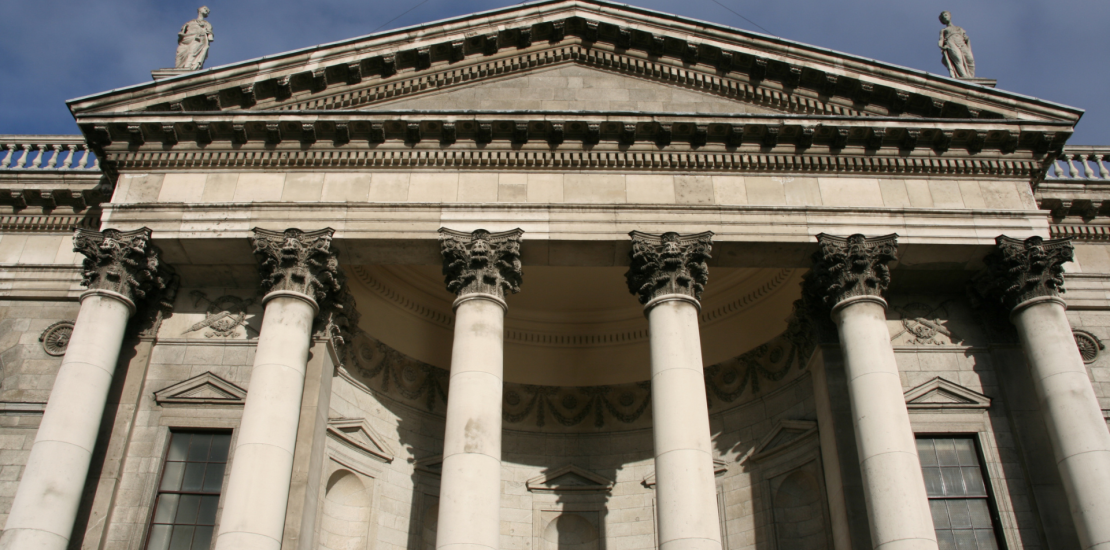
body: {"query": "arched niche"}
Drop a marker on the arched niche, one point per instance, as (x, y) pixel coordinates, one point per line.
(345, 519)
(799, 513)
(569, 531)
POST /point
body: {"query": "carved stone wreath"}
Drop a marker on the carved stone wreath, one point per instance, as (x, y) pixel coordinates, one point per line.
(55, 339)
(1089, 345)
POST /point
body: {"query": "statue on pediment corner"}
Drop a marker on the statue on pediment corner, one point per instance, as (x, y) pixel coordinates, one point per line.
(193, 40)
(956, 47)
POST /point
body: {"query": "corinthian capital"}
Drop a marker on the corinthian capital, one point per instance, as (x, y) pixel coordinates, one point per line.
(298, 261)
(481, 262)
(668, 264)
(848, 267)
(1021, 270)
(124, 262)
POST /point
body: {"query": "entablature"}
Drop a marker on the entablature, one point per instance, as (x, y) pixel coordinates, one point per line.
(521, 139)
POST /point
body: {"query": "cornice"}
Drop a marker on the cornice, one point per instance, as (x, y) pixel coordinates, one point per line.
(54, 223)
(685, 43)
(572, 140)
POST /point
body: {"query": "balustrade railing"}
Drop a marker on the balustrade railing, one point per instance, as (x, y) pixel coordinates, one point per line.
(1082, 162)
(46, 153)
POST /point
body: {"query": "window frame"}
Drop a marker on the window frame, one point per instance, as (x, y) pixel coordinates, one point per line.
(988, 480)
(164, 459)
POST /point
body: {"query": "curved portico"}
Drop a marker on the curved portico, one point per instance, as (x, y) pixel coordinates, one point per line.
(568, 275)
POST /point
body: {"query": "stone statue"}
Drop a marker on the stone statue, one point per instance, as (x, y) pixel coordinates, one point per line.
(956, 47)
(193, 40)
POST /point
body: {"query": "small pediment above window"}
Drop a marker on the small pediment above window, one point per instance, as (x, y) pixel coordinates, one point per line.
(784, 436)
(205, 389)
(569, 478)
(719, 468)
(939, 393)
(358, 435)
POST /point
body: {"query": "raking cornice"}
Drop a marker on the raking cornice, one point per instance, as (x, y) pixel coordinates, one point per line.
(619, 37)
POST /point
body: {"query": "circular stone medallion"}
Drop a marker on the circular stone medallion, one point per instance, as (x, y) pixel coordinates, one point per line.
(1089, 345)
(55, 339)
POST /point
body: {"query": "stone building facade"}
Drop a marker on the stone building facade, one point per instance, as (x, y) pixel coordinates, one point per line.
(567, 275)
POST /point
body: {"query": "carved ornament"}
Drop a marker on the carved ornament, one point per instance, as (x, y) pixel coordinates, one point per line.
(55, 339)
(1089, 345)
(298, 261)
(1019, 270)
(668, 264)
(222, 316)
(481, 262)
(124, 262)
(845, 268)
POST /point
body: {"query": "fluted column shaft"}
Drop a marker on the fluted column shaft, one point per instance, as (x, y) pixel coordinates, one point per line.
(480, 268)
(1026, 278)
(49, 493)
(300, 271)
(849, 276)
(668, 273)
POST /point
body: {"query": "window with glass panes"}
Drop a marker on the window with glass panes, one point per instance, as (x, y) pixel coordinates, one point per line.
(957, 492)
(189, 492)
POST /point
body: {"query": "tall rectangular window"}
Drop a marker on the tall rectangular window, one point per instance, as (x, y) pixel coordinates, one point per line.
(189, 492)
(958, 495)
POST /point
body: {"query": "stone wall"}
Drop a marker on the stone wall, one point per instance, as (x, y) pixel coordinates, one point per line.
(28, 373)
(447, 186)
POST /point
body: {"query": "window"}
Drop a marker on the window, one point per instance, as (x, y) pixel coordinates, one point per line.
(958, 495)
(185, 512)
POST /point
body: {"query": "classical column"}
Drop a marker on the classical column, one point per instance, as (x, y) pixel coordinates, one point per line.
(300, 274)
(668, 273)
(1025, 278)
(120, 269)
(847, 281)
(479, 267)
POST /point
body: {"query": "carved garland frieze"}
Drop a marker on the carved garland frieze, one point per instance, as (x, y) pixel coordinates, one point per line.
(847, 267)
(481, 262)
(1020, 270)
(379, 368)
(668, 264)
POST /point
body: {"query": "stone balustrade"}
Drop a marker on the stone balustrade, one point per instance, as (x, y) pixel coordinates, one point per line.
(46, 152)
(1082, 162)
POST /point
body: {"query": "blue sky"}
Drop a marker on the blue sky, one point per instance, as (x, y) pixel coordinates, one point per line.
(1055, 50)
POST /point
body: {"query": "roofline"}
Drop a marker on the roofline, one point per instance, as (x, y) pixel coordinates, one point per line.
(603, 4)
(331, 113)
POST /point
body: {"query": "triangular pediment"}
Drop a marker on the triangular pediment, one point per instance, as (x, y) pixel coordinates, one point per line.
(204, 389)
(939, 393)
(573, 87)
(733, 66)
(357, 435)
(719, 469)
(784, 436)
(569, 478)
